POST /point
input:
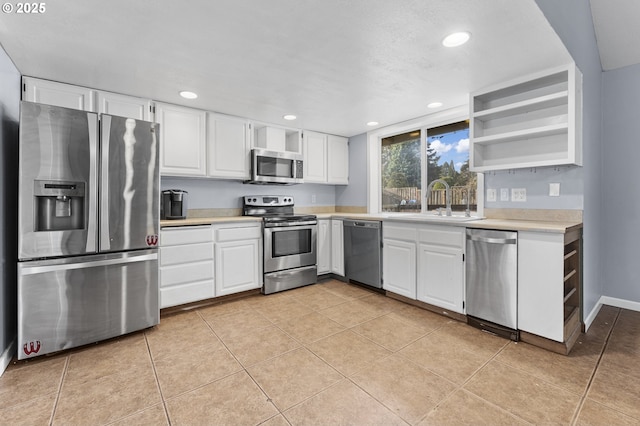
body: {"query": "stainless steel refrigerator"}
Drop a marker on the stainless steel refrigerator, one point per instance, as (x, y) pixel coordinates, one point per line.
(88, 225)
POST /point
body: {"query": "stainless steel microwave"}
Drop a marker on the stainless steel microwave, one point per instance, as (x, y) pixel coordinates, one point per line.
(274, 167)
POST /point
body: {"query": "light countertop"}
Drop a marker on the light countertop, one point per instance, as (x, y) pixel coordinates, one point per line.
(502, 224)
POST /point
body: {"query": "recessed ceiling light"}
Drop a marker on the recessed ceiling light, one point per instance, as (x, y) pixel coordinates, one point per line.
(456, 39)
(188, 95)
(289, 117)
(372, 123)
(434, 105)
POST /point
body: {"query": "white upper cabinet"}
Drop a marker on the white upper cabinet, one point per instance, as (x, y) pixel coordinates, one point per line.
(276, 138)
(337, 160)
(228, 144)
(326, 158)
(315, 157)
(58, 94)
(530, 122)
(124, 106)
(182, 140)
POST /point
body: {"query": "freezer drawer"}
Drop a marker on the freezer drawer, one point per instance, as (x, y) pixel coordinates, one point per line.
(64, 303)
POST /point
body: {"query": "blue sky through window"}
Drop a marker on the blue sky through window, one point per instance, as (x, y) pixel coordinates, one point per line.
(451, 146)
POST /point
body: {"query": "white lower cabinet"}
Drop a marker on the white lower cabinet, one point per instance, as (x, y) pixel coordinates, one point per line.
(186, 265)
(238, 258)
(541, 285)
(441, 267)
(399, 259)
(324, 246)
(425, 262)
(337, 247)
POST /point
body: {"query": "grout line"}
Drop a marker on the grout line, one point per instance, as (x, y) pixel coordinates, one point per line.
(155, 374)
(593, 373)
(55, 404)
(241, 365)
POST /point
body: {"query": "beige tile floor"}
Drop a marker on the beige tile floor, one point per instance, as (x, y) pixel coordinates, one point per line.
(329, 354)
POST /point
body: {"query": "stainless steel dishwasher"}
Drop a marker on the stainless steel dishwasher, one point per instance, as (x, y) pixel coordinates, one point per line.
(492, 281)
(363, 252)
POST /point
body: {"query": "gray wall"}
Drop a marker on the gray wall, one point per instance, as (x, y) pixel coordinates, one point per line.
(536, 181)
(9, 116)
(355, 194)
(621, 200)
(215, 193)
(572, 21)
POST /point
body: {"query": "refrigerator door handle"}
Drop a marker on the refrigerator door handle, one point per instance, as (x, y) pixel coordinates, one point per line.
(105, 129)
(82, 264)
(92, 225)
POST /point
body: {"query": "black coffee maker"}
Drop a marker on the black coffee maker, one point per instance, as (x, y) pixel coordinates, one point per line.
(173, 204)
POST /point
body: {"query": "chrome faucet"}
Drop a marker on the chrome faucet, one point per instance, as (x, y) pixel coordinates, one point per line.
(467, 212)
(447, 195)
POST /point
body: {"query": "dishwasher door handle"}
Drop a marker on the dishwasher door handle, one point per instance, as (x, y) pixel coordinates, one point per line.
(492, 240)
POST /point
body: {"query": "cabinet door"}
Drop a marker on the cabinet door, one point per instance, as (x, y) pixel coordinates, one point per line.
(182, 140)
(440, 276)
(541, 284)
(237, 266)
(337, 160)
(58, 94)
(315, 157)
(228, 147)
(337, 248)
(399, 267)
(324, 246)
(124, 106)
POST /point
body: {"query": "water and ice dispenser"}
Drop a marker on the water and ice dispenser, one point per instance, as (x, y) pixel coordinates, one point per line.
(59, 205)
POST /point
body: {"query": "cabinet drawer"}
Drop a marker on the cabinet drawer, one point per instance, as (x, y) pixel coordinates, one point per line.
(186, 293)
(185, 235)
(173, 255)
(235, 234)
(442, 236)
(179, 274)
(399, 232)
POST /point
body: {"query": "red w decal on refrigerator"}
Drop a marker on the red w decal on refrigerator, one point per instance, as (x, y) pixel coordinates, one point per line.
(32, 348)
(152, 240)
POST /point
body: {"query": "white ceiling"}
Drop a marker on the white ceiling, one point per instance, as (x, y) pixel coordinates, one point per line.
(617, 32)
(336, 64)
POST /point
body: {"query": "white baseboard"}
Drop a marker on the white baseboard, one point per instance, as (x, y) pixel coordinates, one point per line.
(610, 301)
(620, 303)
(592, 315)
(7, 356)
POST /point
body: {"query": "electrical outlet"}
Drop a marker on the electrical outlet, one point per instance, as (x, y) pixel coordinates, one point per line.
(504, 194)
(554, 189)
(313, 198)
(518, 195)
(491, 194)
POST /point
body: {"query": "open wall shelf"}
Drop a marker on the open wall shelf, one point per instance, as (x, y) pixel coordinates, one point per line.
(530, 122)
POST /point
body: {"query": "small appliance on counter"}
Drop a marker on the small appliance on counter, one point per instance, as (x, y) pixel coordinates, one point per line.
(174, 204)
(289, 242)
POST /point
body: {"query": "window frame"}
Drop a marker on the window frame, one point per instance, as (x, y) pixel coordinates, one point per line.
(374, 165)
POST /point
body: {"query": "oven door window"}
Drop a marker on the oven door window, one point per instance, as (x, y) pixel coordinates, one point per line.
(291, 242)
(275, 167)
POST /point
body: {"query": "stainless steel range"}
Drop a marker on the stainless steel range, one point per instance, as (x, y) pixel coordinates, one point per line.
(289, 242)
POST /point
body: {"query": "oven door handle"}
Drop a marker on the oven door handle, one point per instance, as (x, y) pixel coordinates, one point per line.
(299, 225)
(289, 227)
